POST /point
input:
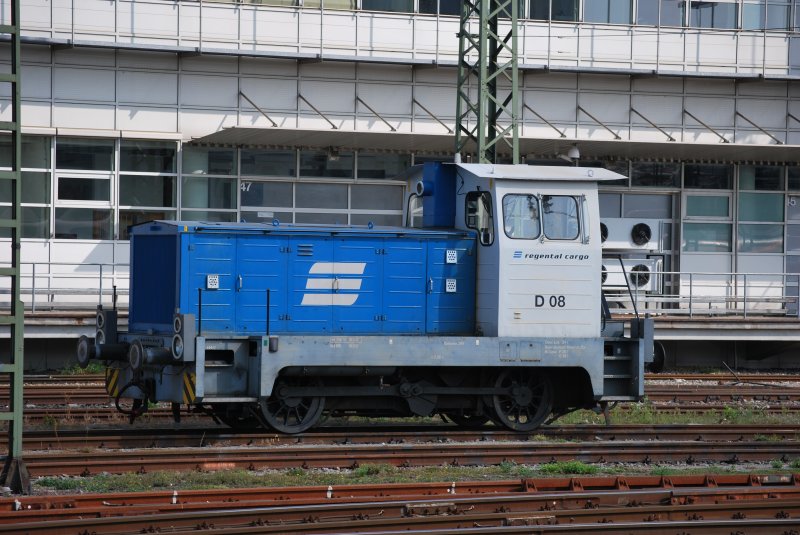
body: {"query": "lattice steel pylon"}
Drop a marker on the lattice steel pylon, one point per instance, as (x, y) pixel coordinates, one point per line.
(15, 474)
(487, 59)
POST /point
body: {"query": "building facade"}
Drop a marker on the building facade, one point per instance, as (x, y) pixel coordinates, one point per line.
(307, 111)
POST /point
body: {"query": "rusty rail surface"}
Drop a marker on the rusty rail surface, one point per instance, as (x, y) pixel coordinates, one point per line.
(693, 504)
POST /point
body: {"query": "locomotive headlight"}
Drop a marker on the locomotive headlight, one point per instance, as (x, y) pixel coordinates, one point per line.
(99, 337)
(177, 347)
(177, 324)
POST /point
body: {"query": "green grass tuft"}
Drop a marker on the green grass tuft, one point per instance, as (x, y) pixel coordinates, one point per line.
(569, 467)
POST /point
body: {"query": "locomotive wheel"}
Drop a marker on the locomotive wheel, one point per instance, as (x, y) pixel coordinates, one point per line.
(466, 419)
(528, 402)
(292, 414)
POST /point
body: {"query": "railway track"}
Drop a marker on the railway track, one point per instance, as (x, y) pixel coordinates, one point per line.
(579, 505)
(138, 437)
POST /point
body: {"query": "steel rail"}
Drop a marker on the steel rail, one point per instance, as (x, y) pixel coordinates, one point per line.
(139, 437)
(403, 455)
(622, 508)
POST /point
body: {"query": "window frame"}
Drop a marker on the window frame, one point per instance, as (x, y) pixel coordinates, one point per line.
(490, 212)
(538, 218)
(577, 218)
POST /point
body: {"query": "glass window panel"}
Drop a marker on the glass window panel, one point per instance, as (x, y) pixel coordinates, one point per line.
(760, 239)
(402, 6)
(209, 216)
(622, 167)
(325, 164)
(209, 161)
(330, 4)
(372, 165)
(708, 206)
(540, 9)
(450, 7)
(35, 152)
(266, 194)
(269, 162)
(793, 208)
(84, 189)
(35, 187)
(761, 177)
(761, 207)
(382, 220)
(521, 218)
(672, 12)
(316, 218)
(560, 217)
(148, 156)
(565, 10)
(706, 238)
(708, 176)
(610, 205)
(647, 12)
(128, 218)
(777, 16)
(86, 154)
(478, 215)
(364, 197)
(208, 192)
(753, 16)
(792, 238)
(141, 190)
(321, 195)
(607, 11)
(36, 222)
(794, 174)
(83, 224)
(656, 174)
(648, 206)
(705, 14)
(266, 216)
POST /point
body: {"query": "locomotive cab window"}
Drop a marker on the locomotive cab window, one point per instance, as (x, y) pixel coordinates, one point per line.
(479, 215)
(560, 217)
(521, 218)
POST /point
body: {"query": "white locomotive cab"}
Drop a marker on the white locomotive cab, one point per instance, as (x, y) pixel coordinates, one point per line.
(539, 252)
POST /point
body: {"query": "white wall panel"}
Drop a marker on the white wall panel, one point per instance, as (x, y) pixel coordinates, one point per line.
(697, 134)
(657, 85)
(341, 71)
(214, 64)
(189, 21)
(392, 73)
(211, 91)
(386, 33)
(35, 15)
(426, 37)
(563, 44)
(81, 252)
(36, 114)
(671, 47)
(146, 119)
(662, 110)
(777, 51)
(270, 94)
(644, 132)
(339, 30)
(220, 22)
(554, 81)
(254, 118)
(602, 44)
(645, 48)
(318, 123)
(750, 52)
(765, 113)
(196, 123)
(607, 108)
(715, 112)
(763, 89)
(593, 131)
(148, 18)
(711, 48)
(278, 26)
(368, 122)
(95, 117)
(604, 83)
(439, 100)
(705, 86)
(84, 57)
(147, 87)
(34, 251)
(147, 60)
(552, 105)
(94, 16)
(437, 76)
(35, 82)
(385, 99)
(308, 30)
(83, 84)
(329, 96)
(268, 67)
(753, 136)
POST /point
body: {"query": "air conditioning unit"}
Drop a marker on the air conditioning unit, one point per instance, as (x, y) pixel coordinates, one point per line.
(643, 274)
(631, 234)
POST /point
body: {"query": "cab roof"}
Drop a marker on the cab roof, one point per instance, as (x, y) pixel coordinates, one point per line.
(538, 172)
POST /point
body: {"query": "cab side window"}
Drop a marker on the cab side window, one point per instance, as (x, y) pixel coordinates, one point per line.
(560, 217)
(479, 215)
(521, 217)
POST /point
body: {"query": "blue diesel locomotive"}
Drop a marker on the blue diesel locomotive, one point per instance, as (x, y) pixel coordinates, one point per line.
(492, 310)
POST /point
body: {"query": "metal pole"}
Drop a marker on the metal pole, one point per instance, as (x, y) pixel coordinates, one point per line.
(744, 290)
(691, 290)
(33, 288)
(199, 312)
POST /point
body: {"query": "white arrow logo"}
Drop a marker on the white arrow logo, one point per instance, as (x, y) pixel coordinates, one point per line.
(333, 284)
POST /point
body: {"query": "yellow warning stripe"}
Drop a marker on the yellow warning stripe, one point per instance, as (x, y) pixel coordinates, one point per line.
(112, 381)
(188, 388)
